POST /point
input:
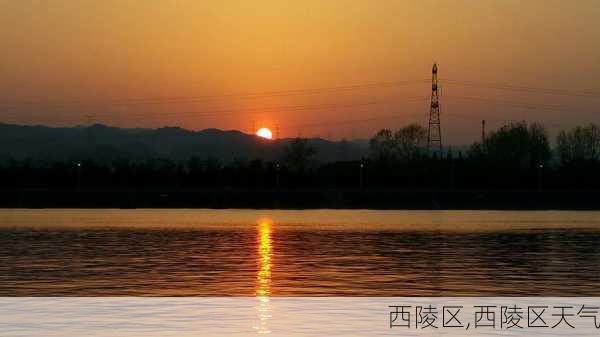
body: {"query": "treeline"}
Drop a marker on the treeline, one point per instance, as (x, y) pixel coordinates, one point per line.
(296, 169)
(516, 156)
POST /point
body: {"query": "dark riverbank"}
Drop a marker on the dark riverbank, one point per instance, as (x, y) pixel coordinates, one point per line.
(300, 199)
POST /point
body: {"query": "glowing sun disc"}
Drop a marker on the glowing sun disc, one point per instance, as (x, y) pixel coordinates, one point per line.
(264, 133)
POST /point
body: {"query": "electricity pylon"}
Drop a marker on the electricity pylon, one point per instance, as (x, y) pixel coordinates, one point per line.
(434, 134)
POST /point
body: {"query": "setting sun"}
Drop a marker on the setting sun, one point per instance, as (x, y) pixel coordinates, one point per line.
(264, 133)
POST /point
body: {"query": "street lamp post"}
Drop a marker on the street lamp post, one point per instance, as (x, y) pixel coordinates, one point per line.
(78, 176)
(277, 169)
(361, 183)
(540, 176)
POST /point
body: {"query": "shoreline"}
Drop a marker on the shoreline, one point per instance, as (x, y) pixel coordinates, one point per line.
(223, 198)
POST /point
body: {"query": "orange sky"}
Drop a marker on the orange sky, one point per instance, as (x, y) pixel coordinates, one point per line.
(193, 63)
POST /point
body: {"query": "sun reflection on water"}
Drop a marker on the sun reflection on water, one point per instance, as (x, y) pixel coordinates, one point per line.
(263, 276)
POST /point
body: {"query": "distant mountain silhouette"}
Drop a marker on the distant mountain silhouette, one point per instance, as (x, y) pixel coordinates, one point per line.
(105, 143)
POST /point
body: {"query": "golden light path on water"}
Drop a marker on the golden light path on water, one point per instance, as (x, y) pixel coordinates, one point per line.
(263, 276)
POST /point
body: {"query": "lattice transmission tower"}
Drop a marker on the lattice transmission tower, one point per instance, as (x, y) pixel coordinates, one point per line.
(434, 134)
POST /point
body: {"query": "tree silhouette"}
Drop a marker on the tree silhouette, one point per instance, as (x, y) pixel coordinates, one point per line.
(298, 154)
(382, 146)
(579, 144)
(410, 142)
(515, 145)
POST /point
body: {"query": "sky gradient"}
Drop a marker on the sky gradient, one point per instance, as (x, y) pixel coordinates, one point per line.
(316, 68)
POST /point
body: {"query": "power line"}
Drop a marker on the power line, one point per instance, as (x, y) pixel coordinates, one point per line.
(524, 105)
(226, 112)
(317, 107)
(504, 120)
(191, 99)
(79, 104)
(219, 112)
(351, 121)
(308, 107)
(510, 87)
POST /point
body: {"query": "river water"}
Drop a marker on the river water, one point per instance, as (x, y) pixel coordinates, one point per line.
(265, 253)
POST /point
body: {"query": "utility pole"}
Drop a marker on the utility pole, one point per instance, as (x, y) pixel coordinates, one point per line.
(434, 134)
(78, 175)
(362, 180)
(540, 176)
(277, 172)
(482, 131)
